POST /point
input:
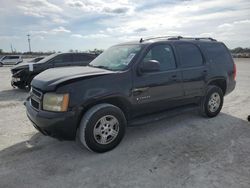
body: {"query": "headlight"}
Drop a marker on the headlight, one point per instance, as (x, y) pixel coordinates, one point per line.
(55, 102)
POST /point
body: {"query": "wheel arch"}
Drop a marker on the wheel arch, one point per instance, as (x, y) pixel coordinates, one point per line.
(220, 82)
(118, 101)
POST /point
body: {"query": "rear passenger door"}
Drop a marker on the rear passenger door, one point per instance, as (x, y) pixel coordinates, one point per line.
(193, 68)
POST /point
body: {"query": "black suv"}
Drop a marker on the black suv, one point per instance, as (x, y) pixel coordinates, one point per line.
(94, 104)
(23, 73)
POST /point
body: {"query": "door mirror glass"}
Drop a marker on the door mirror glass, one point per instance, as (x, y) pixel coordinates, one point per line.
(150, 66)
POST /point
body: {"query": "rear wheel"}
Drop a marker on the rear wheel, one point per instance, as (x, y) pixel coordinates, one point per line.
(102, 128)
(212, 102)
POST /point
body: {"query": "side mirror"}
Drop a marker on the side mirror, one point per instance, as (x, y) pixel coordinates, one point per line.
(150, 66)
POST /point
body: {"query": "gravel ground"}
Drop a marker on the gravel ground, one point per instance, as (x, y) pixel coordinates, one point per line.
(181, 151)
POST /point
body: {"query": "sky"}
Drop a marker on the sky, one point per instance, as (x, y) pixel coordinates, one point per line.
(62, 25)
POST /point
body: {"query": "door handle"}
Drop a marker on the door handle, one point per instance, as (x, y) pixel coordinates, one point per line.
(138, 91)
(173, 77)
(204, 72)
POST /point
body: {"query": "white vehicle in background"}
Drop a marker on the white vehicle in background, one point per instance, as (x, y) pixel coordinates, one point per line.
(11, 60)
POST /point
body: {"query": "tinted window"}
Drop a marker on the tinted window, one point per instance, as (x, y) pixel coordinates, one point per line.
(63, 58)
(162, 53)
(189, 55)
(82, 57)
(11, 57)
(216, 53)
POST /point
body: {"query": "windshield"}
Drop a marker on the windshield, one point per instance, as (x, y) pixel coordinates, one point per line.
(35, 60)
(48, 58)
(116, 57)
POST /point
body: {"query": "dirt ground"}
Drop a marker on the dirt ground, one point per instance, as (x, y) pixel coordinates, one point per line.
(185, 150)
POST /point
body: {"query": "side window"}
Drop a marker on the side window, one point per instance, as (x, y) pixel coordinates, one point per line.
(189, 55)
(63, 58)
(82, 57)
(217, 53)
(14, 57)
(162, 53)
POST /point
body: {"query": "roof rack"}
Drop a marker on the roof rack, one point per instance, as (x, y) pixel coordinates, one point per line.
(178, 38)
(160, 37)
(192, 38)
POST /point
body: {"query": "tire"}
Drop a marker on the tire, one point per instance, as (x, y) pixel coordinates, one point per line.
(101, 128)
(212, 102)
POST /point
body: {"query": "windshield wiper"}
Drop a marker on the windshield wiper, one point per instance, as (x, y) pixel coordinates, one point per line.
(100, 66)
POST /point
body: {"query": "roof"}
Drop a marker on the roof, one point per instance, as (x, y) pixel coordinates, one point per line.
(170, 38)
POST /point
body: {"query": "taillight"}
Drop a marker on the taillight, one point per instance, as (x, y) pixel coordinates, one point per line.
(234, 72)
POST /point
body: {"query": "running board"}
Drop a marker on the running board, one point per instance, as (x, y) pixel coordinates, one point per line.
(162, 115)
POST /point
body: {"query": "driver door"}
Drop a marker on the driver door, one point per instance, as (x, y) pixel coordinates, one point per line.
(153, 91)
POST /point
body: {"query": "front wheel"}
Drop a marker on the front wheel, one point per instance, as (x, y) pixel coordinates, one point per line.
(212, 102)
(102, 128)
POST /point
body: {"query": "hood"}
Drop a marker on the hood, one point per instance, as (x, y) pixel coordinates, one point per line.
(26, 65)
(21, 66)
(49, 79)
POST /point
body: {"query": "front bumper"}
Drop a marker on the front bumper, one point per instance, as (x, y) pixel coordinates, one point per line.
(17, 82)
(60, 125)
(230, 87)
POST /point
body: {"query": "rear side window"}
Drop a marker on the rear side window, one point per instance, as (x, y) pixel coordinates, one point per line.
(11, 57)
(164, 54)
(216, 53)
(189, 55)
(63, 58)
(82, 57)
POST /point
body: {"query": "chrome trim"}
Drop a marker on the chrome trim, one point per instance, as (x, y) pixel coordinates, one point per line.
(36, 96)
(32, 93)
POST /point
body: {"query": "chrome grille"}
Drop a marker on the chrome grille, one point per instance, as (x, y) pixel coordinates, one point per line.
(35, 104)
(35, 98)
(36, 93)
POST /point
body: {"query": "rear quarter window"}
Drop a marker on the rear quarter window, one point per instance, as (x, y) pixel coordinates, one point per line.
(189, 55)
(216, 53)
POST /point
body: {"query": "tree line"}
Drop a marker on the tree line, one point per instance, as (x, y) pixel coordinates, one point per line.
(238, 50)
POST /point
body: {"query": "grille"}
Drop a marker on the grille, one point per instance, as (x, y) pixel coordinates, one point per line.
(35, 103)
(36, 93)
(35, 98)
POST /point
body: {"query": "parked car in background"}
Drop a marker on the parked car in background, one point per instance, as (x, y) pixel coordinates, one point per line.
(11, 60)
(0, 61)
(23, 73)
(93, 104)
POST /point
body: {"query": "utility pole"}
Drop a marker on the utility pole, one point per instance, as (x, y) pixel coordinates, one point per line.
(11, 48)
(29, 42)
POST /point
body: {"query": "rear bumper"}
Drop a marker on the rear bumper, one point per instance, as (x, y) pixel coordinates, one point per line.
(61, 125)
(230, 87)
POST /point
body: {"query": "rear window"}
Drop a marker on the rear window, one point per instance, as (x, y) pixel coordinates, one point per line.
(189, 55)
(216, 53)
